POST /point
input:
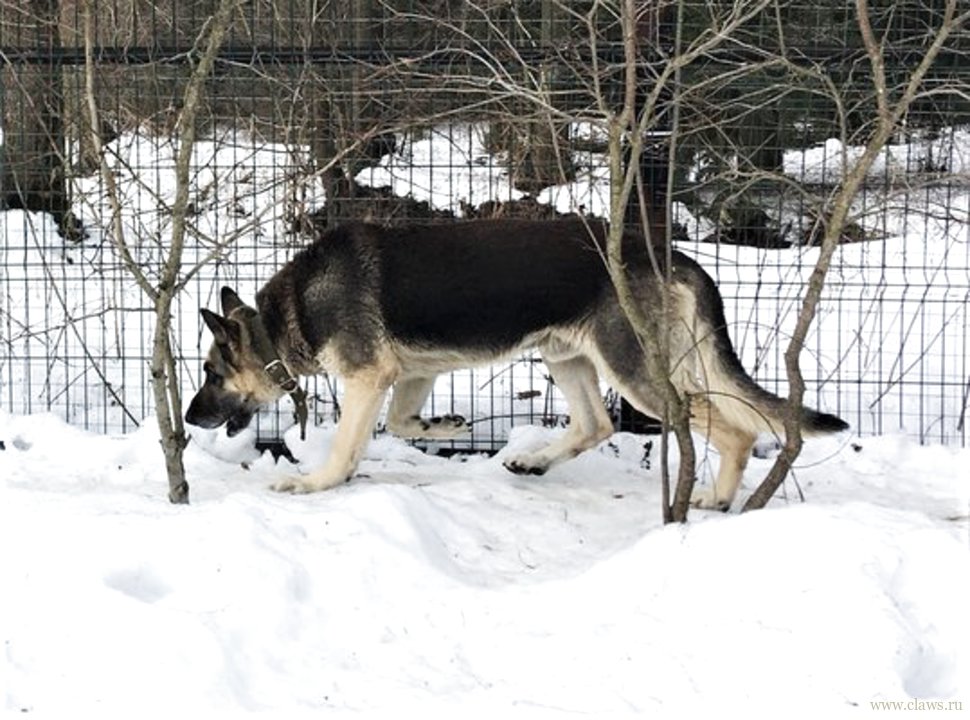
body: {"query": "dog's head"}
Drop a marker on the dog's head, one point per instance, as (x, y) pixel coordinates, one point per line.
(236, 382)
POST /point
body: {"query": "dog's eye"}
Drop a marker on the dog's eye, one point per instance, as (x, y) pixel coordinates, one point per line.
(225, 351)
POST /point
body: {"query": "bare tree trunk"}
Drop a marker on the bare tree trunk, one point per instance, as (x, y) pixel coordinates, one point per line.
(165, 386)
(651, 330)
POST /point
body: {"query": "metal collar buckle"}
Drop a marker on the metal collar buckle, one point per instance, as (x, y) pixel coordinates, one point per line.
(277, 371)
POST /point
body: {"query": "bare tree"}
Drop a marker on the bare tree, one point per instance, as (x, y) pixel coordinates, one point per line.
(892, 104)
(163, 288)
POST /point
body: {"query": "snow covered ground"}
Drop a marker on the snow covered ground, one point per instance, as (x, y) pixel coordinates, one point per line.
(452, 588)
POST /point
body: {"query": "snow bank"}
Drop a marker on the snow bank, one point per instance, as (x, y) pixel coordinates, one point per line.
(451, 586)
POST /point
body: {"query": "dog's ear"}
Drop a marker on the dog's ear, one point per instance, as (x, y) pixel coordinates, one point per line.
(230, 301)
(223, 329)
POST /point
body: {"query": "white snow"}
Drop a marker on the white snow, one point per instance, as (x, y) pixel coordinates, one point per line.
(942, 151)
(450, 167)
(456, 588)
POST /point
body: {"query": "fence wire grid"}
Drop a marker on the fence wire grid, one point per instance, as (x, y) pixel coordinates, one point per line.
(396, 111)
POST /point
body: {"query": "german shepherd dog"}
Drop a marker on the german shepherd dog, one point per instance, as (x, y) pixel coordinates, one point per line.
(393, 307)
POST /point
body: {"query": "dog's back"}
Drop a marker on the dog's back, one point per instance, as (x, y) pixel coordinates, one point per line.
(487, 284)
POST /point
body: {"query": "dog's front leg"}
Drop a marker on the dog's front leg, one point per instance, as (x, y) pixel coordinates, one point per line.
(589, 423)
(363, 398)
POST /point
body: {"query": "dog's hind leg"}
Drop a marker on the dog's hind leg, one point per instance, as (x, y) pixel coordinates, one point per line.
(734, 446)
(363, 399)
(733, 443)
(589, 423)
(625, 367)
(404, 420)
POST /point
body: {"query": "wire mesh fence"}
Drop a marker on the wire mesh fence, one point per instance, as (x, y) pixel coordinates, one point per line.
(437, 111)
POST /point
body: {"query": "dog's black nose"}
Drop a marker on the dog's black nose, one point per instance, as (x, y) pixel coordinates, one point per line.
(194, 416)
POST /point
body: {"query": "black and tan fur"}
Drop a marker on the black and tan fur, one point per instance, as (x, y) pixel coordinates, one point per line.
(393, 308)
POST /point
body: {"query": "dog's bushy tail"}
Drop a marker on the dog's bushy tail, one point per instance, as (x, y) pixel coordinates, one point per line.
(710, 366)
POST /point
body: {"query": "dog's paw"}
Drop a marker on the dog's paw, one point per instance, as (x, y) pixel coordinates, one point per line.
(296, 486)
(525, 465)
(305, 484)
(705, 499)
(444, 426)
(440, 427)
(289, 485)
